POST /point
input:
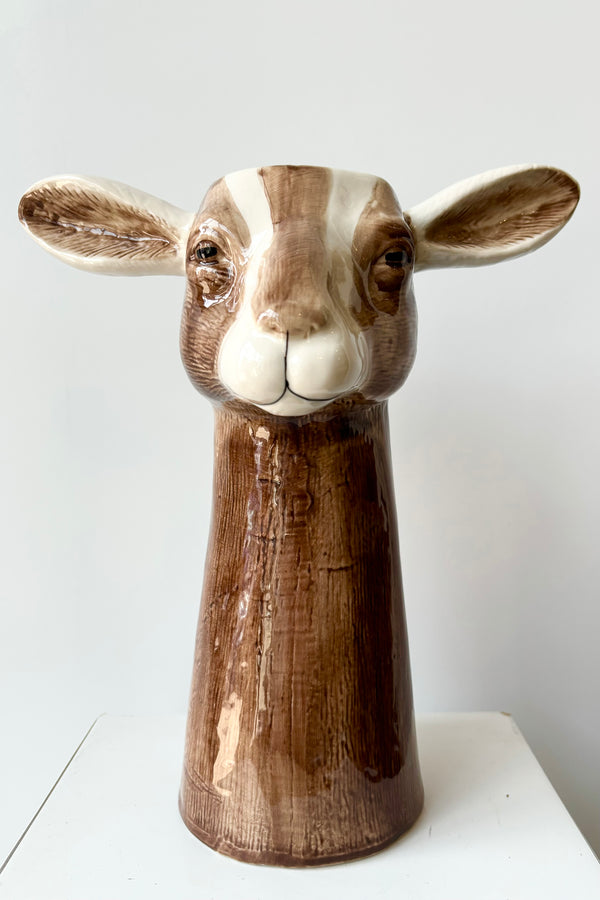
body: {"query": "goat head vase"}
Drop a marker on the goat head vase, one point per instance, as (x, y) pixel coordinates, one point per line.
(299, 322)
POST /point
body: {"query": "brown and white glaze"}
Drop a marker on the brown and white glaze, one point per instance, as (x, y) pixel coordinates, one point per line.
(299, 321)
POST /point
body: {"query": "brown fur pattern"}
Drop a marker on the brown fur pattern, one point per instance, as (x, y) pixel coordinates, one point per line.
(301, 746)
(388, 313)
(292, 291)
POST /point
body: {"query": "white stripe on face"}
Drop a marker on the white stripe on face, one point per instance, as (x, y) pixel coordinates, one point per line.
(247, 190)
(248, 193)
(254, 370)
(349, 195)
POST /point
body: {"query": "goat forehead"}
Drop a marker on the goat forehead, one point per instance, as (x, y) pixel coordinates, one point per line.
(332, 201)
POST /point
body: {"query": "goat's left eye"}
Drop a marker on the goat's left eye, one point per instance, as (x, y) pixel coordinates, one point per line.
(207, 253)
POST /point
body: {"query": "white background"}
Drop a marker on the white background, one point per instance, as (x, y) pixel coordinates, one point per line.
(106, 450)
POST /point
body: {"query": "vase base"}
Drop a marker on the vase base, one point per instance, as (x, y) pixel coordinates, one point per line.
(272, 857)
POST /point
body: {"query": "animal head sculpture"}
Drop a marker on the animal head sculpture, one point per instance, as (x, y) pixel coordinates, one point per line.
(299, 279)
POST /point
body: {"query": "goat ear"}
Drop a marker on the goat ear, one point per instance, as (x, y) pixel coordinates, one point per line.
(105, 226)
(494, 216)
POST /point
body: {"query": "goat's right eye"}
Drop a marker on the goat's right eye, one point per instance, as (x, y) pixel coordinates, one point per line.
(211, 268)
(207, 253)
(397, 259)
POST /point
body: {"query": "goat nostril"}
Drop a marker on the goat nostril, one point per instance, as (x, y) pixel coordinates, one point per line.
(311, 321)
(319, 319)
(269, 321)
(295, 320)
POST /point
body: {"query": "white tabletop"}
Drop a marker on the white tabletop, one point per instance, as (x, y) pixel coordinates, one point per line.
(493, 827)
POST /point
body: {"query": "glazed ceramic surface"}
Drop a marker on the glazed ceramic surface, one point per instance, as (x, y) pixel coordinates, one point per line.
(299, 321)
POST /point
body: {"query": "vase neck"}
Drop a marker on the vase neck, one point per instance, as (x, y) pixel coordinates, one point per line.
(256, 442)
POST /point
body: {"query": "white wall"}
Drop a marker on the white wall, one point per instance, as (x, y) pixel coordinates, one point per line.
(106, 449)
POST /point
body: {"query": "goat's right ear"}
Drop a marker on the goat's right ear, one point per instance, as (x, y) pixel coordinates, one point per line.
(105, 226)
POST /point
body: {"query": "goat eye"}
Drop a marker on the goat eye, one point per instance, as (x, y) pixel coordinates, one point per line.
(397, 259)
(207, 253)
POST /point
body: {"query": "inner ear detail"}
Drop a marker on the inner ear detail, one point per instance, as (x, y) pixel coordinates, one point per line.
(77, 219)
(513, 208)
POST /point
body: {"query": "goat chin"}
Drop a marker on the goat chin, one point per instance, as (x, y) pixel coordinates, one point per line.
(291, 404)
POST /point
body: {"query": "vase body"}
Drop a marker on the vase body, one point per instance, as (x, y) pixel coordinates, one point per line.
(300, 746)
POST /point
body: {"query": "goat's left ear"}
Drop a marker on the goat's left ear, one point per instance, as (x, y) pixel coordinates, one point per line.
(494, 216)
(105, 226)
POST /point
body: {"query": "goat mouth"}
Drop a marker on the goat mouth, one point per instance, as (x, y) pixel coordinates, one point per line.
(288, 390)
(291, 404)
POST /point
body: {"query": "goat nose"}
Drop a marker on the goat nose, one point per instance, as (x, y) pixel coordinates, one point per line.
(297, 320)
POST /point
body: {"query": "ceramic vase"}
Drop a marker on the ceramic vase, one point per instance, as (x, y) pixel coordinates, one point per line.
(299, 322)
